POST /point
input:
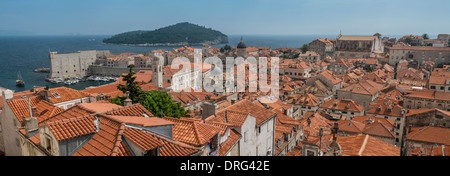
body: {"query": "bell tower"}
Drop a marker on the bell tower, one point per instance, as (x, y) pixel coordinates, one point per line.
(157, 77)
(242, 48)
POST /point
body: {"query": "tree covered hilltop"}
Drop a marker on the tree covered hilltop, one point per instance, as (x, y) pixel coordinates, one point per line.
(174, 35)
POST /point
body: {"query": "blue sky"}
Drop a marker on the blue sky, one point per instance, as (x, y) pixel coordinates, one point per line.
(232, 17)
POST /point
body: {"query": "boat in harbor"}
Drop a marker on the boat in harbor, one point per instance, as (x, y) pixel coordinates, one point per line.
(42, 69)
(19, 81)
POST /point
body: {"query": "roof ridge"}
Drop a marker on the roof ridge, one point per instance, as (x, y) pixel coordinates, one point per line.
(197, 133)
(68, 119)
(115, 150)
(65, 110)
(363, 146)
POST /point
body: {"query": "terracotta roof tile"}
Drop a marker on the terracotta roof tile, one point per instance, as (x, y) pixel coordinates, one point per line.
(365, 145)
(108, 89)
(430, 134)
(71, 128)
(363, 87)
(343, 105)
(192, 132)
(132, 110)
(231, 140)
(106, 142)
(44, 109)
(65, 94)
(142, 121)
(259, 112)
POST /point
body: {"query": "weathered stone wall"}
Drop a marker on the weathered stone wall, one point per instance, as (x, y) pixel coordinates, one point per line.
(76, 64)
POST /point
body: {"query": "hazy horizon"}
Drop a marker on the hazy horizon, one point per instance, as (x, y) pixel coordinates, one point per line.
(233, 17)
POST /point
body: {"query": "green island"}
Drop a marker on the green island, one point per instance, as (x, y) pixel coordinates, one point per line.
(174, 35)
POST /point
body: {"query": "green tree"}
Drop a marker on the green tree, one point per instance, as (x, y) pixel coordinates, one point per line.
(160, 104)
(425, 36)
(305, 48)
(227, 48)
(131, 85)
(408, 40)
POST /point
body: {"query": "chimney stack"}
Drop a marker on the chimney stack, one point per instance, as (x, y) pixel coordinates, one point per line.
(335, 130)
(30, 123)
(127, 101)
(34, 112)
(233, 101)
(209, 109)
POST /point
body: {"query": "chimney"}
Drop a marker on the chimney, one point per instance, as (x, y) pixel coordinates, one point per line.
(45, 94)
(209, 109)
(127, 101)
(34, 112)
(7, 95)
(409, 128)
(309, 122)
(233, 101)
(31, 126)
(30, 123)
(335, 130)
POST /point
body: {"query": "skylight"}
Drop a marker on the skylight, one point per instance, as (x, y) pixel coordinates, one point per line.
(56, 94)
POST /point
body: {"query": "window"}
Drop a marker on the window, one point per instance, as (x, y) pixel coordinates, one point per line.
(442, 87)
(49, 146)
(310, 153)
(56, 94)
(246, 136)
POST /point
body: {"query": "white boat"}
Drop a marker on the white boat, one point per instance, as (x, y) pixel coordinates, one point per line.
(57, 80)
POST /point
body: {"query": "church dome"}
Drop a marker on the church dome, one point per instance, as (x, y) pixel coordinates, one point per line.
(241, 44)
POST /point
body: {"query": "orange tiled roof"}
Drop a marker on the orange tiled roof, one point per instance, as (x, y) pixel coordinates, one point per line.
(428, 94)
(238, 112)
(132, 110)
(147, 141)
(382, 106)
(443, 150)
(108, 89)
(234, 118)
(71, 128)
(106, 142)
(66, 94)
(142, 121)
(365, 145)
(304, 99)
(72, 112)
(44, 109)
(351, 126)
(192, 132)
(430, 134)
(363, 87)
(343, 105)
(231, 140)
(99, 107)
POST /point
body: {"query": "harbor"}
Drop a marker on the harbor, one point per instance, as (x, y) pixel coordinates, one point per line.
(75, 80)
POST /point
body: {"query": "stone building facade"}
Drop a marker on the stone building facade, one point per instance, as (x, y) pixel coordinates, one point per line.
(426, 98)
(358, 46)
(76, 64)
(419, 54)
(323, 47)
